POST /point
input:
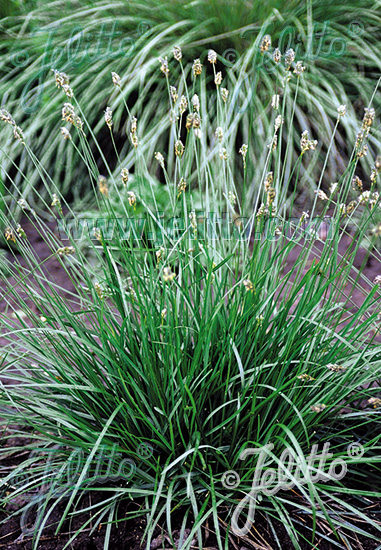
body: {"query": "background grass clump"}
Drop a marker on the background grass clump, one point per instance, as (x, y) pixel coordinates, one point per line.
(339, 47)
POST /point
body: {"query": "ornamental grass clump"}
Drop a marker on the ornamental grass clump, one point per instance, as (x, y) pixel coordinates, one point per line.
(220, 322)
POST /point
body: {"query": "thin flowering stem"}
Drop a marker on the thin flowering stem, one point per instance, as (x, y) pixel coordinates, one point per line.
(262, 180)
(324, 166)
(140, 161)
(185, 82)
(290, 122)
(114, 146)
(87, 147)
(173, 133)
(87, 161)
(219, 100)
(49, 183)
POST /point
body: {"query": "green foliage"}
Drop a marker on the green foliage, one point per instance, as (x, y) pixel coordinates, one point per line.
(197, 343)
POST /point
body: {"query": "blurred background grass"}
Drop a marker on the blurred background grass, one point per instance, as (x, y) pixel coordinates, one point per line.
(88, 39)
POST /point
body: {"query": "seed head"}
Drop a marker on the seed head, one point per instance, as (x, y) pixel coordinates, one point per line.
(134, 122)
(262, 211)
(342, 209)
(6, 117)
(377, 230)
(342, 110)
(61, 78)
(224, 94)
(322, 196)
(219, 133)
(333, 187)
(168, 274)
(218, 78)
(376, 170)
(277, 55)
(351, 206)
(196, 121)
(363, 151)
(189, 121)
(131, 198)
(265, 44)
(232, 198)
(289, 58)
(307, 144)
(305, 377)
(68, 91)
(336, 368)
(268, 181)
(98, 290)
(368, 119)
(275, 102)
(108, 117)
(375, 199)
(196, 103)
(357, 184)
(270, 196)
(197, 67)
(18, 134)
(69, 115)
(181, 187)
(183, 104)
(124, 174)
(243, 151)
(193, 221)
(164, 65)
(160, 159)
(377, 280)
(224, 154)
(9, 235)
(177, 54)
(212, 56)
(359, 138)
(65, 133)
(159, 254)
(65, 251)
(174, 94)
(278, 122)
(375, 401)
(24, 205)
(249, 287)
(273, 144)
(116, 80)
(299, 68)
(20, 231)
(134, 139)
(179, 148)
(56, 202)
(102, 185)
(259, 320)
(319, 407)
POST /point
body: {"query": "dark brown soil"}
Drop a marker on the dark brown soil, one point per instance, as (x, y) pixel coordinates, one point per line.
(128, 533)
